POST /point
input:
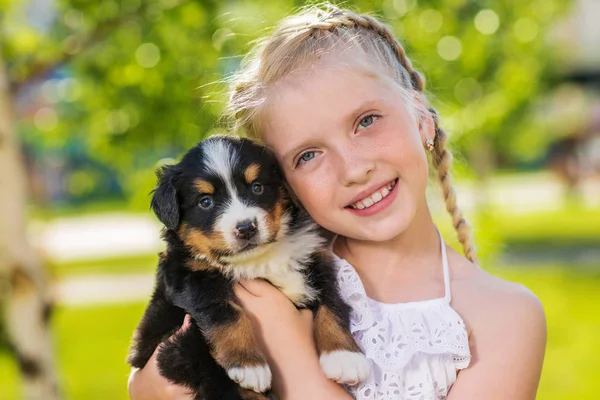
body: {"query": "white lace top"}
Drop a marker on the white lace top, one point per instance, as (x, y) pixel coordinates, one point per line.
(415, 348)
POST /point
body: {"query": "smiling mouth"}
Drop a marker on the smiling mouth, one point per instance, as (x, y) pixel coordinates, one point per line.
(374, 198)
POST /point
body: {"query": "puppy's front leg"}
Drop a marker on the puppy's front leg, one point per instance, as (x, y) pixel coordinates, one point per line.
(235, 347)
(340, 356)
(228, 330)
(160, 320)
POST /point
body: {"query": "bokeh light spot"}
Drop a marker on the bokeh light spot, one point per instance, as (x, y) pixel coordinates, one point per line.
(525, 30)
(147, 55)
(117, 122)
(449, 48)
(487, 22)
(431, 20)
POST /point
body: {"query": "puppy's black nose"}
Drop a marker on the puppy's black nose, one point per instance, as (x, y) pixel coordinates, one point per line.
(246, 229)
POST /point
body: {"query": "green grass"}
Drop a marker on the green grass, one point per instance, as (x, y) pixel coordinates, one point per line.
(571, 300)
(92, 345)
(92, 342)
(568, 226)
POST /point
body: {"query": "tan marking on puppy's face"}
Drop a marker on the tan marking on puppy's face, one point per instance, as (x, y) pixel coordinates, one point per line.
(330, 333)
(251, 173)
(204, 187)
(202, 243)
(273, 220)
(234, 343)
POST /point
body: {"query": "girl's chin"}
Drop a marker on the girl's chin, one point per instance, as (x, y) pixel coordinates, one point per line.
(383, 229)
(380, 232)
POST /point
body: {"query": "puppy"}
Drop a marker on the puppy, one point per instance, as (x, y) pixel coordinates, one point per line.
(229, 217)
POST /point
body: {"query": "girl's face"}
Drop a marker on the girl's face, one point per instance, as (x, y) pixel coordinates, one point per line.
(350, 149)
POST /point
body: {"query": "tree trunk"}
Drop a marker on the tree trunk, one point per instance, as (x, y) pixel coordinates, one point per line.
(26, 303)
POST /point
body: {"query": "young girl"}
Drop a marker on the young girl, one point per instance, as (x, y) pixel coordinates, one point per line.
(335, 97)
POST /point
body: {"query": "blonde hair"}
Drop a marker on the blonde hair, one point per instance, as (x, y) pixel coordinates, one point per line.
(303, 39)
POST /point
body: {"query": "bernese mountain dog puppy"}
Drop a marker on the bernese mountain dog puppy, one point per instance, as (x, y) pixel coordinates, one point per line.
(227, 217)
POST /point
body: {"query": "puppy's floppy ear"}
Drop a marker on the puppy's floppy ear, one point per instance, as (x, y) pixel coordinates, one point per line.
(278, 171)
(164, 201)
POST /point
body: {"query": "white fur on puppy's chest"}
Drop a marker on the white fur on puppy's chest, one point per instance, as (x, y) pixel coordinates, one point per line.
(282, 263)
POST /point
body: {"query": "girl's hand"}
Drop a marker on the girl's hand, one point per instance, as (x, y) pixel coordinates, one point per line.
(148, 384)
(286, 336)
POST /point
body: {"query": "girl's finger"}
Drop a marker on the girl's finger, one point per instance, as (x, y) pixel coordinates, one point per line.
(187, 322)
(255, 288)
(259, 287)
(307, 317)
(241, 292)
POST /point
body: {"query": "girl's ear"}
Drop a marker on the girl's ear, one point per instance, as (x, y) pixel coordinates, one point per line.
(426, 122)
(426, 125)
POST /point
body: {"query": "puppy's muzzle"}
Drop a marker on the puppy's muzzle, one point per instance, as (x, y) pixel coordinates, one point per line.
(246, 229)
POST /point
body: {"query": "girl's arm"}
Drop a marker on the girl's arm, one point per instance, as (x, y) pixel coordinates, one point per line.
(286, 335)
(508, 342)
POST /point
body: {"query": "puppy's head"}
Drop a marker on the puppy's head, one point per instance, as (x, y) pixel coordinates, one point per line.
(226, 197)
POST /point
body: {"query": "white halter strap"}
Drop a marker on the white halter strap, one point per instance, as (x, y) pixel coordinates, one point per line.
(447, 295)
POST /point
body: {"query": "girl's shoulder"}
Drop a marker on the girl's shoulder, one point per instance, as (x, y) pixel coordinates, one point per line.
(486, 302)
(507, 333)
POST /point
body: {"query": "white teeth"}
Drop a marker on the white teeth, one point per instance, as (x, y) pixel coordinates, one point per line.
(374, 198)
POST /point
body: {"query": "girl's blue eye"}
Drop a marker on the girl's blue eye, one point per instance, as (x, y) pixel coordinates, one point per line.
(206, 202)
(366, 121)
(309, 155)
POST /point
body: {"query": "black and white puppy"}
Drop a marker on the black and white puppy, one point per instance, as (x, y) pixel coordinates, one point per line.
(229, 217)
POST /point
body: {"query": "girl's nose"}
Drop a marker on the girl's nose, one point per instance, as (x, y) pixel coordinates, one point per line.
(355, 167)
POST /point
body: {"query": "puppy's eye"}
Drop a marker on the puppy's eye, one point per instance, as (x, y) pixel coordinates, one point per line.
(206, 202)
(257, 188)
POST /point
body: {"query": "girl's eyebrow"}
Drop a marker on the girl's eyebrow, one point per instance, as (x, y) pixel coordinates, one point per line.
(364, 105)
(291, 153)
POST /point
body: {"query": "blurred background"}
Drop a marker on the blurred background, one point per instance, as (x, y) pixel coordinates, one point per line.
(95, 95)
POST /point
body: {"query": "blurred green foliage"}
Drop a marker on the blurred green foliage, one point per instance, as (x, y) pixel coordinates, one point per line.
(92, 342)
(134, 82)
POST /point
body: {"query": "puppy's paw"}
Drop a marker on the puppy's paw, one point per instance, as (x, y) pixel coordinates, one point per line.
(257, 377)
(346, 367)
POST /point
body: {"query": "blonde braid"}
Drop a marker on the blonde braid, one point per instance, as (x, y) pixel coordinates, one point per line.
(441, 157)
